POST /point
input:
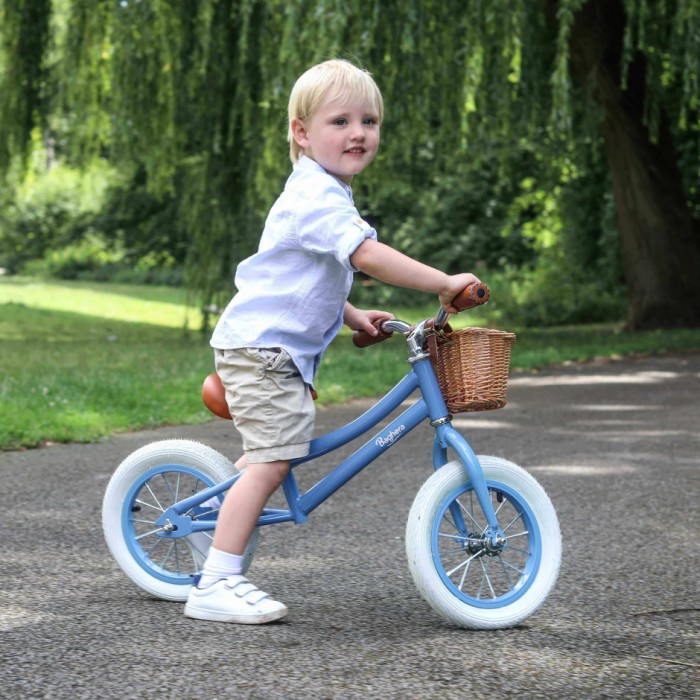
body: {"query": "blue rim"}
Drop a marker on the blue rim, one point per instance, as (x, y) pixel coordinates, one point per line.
(534, 546)
(137, 552)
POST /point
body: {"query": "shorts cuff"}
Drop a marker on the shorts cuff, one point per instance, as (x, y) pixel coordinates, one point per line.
(277, 454)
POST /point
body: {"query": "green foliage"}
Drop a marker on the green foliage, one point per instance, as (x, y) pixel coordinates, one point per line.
(458, 220)
(51, 209)
(82, 260)
(24, 38)
(187, 100)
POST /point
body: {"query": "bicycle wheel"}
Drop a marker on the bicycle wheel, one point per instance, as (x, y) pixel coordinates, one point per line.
(144, 485)
(463, 578)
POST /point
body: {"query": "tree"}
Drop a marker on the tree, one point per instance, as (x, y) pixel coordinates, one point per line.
(626, 76)
(194, 96)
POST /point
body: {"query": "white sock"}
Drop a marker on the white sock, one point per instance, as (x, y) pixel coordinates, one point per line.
(219, 565)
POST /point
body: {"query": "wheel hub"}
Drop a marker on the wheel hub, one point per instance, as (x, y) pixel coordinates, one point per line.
(480, 544)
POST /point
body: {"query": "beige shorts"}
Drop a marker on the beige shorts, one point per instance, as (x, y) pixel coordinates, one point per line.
(271, 405)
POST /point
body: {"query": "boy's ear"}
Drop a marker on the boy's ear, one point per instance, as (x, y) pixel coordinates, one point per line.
(299, 132)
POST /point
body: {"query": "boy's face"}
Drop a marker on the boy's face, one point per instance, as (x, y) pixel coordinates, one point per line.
(342, 137)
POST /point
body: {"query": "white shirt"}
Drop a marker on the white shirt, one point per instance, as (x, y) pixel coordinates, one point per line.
(292, 292)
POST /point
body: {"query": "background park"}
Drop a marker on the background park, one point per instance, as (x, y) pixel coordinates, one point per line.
(552, 147)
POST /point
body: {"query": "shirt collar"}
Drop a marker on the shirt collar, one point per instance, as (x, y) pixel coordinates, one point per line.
(306, 163)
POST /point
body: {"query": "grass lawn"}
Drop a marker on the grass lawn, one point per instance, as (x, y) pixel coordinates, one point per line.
(79, 361)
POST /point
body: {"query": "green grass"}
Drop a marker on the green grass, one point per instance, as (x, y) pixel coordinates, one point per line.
(79, 361)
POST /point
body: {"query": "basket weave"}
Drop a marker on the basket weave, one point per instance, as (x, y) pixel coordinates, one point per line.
(472, 368)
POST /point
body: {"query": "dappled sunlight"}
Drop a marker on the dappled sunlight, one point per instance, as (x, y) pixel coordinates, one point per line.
(615, 407)
(616, 433)
(107, 302)
(584, 470)
(617, 436)
(14, 616)
(604, 427)
(482, 423)
(649, 377)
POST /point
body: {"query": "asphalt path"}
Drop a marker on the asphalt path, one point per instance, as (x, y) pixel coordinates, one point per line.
(615, 445)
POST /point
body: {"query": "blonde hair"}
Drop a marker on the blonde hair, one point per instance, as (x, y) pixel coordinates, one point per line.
(334, 79)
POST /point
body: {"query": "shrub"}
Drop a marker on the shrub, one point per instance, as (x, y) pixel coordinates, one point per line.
(51, 210)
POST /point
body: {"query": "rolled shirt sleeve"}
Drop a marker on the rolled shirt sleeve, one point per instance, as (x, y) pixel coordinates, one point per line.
(335, 228)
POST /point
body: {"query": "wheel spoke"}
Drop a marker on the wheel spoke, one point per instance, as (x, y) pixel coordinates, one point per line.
(481, 586)
(169, 487)
(153, 546)
(505, 571)
(510, 566)
(194, 490)
(526, 552)
(150, 490)
(148, 505)
(201, 516)
(465, 562)
(167, 554)
(513, 521)
(461, 538)
(150, 532)
(503, 502)
(469, 513)
(485, 577)
(193, 546)
(464, 575)
(177, 556)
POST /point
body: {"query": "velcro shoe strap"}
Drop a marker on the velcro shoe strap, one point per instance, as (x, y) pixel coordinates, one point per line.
(243, 588)
(233, 581)
(254, 597)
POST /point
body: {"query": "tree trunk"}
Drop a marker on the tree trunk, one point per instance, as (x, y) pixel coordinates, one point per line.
(660, 241)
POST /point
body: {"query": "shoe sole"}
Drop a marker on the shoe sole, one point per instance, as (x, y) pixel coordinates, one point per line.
(219, 616)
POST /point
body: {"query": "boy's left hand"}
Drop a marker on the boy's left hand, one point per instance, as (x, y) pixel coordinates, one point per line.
(364, 319)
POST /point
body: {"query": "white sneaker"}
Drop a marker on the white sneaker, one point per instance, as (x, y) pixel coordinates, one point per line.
(233, 599)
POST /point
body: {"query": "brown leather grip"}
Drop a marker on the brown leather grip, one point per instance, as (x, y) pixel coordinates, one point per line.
(362, 339)
(471, 296)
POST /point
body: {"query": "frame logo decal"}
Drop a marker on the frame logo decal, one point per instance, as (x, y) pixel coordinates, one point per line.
(391, 437)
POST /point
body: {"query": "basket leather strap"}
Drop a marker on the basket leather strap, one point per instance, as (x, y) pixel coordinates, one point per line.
(433, 339)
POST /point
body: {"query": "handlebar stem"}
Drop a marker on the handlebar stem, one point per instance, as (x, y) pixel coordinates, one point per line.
(441, 319)
(417, 343)
(416, 336)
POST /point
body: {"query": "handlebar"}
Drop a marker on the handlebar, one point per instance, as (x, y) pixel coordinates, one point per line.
(472, 295)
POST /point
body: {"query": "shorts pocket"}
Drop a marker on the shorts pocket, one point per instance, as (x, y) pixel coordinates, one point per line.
(277, 360)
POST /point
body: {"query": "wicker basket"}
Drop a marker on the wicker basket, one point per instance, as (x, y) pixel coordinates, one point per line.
(472, 368)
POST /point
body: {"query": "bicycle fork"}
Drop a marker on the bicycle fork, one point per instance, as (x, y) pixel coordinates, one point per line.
(447, 437)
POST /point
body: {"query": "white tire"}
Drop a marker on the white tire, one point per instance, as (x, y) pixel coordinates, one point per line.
(462, 580)
(145, 484)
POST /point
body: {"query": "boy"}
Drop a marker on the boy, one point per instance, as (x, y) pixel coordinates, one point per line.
(291, 302)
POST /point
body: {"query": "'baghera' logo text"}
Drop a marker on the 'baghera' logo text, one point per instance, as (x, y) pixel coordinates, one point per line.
(391, 437)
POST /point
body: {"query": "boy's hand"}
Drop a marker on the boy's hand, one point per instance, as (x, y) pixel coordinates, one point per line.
(364, 320)
(455, 284)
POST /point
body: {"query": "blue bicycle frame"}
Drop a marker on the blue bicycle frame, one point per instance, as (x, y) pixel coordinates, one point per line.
(431, 405)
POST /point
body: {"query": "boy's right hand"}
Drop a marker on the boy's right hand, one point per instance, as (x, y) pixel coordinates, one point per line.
(455, 284)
